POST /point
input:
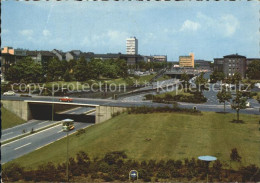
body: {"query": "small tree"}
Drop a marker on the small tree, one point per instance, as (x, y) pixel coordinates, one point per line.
(185, 79)
(217, 76)
(224, 96)
(239, 103)
(236, 78)
(234, 156)
(200, 81)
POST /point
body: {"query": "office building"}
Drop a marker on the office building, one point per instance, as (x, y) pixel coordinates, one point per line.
(160, 58)
(132, 46)
(187, 61)
(230, 64)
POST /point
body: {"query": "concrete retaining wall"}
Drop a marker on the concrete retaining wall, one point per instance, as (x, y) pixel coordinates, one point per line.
(104, 113)
(20, 108)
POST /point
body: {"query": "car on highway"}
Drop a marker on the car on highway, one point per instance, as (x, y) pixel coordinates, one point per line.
(9, 93)
(65, 99)
(248, 105)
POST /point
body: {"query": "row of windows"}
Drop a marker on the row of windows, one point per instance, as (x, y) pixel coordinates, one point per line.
(233, 69)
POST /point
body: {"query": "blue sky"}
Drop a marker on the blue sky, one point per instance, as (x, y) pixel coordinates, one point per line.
(208, 29)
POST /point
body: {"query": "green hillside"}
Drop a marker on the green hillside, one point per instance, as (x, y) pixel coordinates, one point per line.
(160, 136)
(9, 119)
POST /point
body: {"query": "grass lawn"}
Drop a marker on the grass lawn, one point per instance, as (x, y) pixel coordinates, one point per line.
(173, 136)
(164, 77)
(9, 119)
(173, 93)
(71, 84)
(85, 85)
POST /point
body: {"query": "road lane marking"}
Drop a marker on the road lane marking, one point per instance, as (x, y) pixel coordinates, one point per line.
(69, 110)
(59, 131)
(63, 137)
(19, 126)
(28, 132)
(22, 146)
(91, 113)
(7, 134)
(43, 122)
(30, 135)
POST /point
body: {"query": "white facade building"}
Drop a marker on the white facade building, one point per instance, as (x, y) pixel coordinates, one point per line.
(132, 46)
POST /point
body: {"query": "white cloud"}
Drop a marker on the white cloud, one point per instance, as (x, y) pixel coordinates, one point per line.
(229, 23)
(46, 33)
(189, 25)
(110, 38)
(26, 32)
(225, 25)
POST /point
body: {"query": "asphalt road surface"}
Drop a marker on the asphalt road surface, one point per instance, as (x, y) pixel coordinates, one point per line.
(77, 110)
(122, 103)
(22, 129)
(35, 141)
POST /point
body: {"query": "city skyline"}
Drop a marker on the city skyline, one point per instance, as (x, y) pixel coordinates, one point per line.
(171, 29)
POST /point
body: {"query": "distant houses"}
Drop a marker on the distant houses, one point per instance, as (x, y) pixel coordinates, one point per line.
(10, 56)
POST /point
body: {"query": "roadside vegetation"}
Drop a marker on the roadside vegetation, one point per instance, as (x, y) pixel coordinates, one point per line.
(184, 93)
(78, 74)
(175, 136)
(161, 146)
(115, 166)
(27, 71)
(9, 119)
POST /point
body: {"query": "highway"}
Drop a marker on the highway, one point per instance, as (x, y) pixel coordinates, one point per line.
(213, 106)
(77, 110)
(35, 141)
(25, 128)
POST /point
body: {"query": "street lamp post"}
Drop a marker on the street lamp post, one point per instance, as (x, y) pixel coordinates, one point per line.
(52, 110)
(67, 164)
(67, 159)
(207, 159)
(52, 114)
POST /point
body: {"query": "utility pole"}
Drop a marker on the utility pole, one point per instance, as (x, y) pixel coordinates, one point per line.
(67, 171)
(52, 106)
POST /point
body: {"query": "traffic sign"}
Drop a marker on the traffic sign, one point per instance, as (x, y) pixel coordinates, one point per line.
(133, 174)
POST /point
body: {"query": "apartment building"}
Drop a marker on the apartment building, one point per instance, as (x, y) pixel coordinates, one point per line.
(132, 46)
(187, 61)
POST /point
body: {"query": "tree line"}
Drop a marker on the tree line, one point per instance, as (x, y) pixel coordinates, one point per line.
(29, 71)
(115, 166)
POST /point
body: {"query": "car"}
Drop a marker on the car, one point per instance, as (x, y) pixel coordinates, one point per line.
(248, 104)
(65, 99)
(9, 93)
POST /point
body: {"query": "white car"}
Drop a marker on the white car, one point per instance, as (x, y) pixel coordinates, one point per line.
(9, 93)
(248, 104)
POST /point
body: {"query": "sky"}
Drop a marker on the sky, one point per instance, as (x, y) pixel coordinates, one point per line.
(208, 29)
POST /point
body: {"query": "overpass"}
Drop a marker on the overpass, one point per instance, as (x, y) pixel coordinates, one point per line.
(25, 107)
(178, 72)
(43, 110)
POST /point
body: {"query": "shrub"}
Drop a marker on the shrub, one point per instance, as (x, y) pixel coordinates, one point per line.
(250, 173)
(13, 172)
(145, 109)
(149, 97)
(234, 156)
(80, 132)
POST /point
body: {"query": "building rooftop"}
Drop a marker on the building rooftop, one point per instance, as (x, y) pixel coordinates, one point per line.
(234, 56)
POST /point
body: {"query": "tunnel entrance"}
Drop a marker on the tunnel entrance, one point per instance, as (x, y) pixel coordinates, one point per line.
(77, 113)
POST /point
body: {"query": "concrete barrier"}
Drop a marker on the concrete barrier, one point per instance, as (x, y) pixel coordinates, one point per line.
(20, 108)
(104, 113)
